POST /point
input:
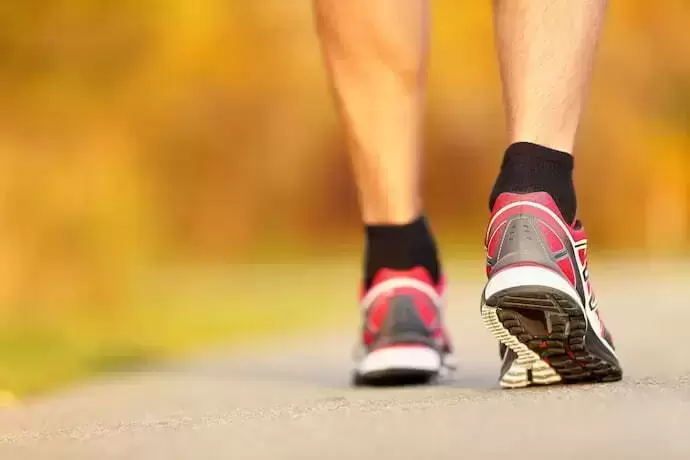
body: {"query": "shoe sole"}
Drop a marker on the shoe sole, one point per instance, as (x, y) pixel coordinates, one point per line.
(400, 365)
(563, 349)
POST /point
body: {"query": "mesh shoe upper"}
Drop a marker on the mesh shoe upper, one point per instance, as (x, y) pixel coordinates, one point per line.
(404, 307)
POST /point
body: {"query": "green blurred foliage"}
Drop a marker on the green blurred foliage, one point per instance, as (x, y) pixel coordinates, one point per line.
(144, 133)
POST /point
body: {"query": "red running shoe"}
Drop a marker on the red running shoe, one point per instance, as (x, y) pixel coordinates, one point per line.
(538, 301)
(403, 339)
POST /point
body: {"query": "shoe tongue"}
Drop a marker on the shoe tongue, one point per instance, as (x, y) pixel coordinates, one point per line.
(418, 273)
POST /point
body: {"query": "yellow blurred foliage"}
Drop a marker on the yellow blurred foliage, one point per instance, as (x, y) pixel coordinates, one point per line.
(140, 132)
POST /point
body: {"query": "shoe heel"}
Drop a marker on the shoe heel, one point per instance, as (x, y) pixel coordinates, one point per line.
(527, 279)
(404, 326)
(527, 309)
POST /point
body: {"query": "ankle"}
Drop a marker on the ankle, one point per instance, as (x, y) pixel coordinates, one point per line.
(561, 142)
(528, 167)
(401, 247)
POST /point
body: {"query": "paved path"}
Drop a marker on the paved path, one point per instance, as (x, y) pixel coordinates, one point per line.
(291, 400)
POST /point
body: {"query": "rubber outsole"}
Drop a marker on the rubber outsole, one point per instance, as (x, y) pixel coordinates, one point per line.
(560, 350)
(395, 378)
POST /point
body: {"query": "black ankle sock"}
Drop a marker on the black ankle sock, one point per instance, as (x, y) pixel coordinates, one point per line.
(530, 167)
(401, 247)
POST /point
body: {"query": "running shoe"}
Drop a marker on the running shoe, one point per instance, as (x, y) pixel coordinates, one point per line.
(538, 301)
(404, 340)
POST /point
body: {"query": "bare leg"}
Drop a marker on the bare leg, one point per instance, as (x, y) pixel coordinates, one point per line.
(546, 48)
(376, 52)
(536, 250)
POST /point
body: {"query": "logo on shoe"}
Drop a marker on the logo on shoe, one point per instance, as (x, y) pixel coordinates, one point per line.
(590, 299)
(592, 304)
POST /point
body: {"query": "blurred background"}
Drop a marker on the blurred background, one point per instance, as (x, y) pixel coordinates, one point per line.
(160, 159)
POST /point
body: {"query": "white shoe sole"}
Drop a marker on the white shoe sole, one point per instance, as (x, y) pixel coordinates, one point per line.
(401, 364)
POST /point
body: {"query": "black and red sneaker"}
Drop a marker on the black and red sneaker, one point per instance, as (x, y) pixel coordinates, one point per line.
(404, 340)
(538, 301)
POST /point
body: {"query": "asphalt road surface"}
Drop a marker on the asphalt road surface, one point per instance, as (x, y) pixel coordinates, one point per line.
(291, 399)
